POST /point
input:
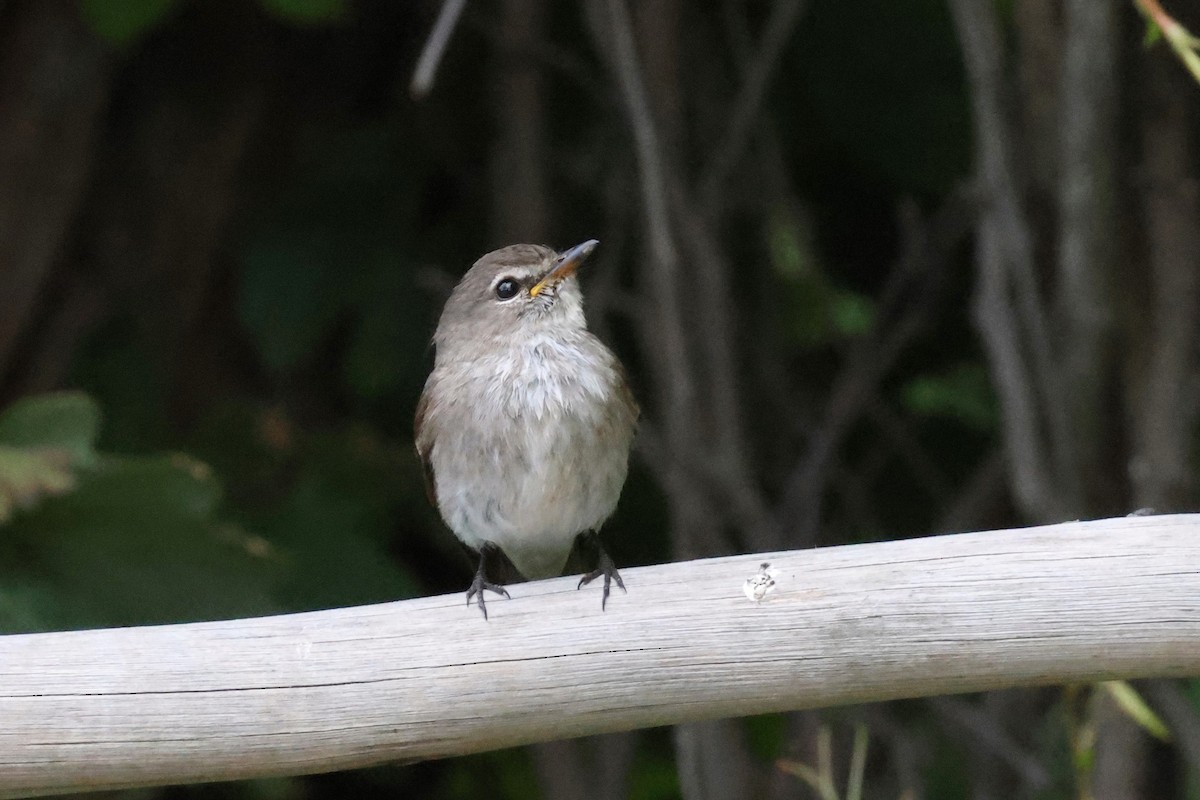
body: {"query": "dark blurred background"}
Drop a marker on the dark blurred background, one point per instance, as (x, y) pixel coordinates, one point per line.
(878, 270)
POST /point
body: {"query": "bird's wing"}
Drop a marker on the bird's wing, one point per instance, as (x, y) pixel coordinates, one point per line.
(627, 391)
(423, 437)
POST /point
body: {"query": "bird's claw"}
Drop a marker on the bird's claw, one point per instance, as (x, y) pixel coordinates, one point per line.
(477, 588)
(608, 569)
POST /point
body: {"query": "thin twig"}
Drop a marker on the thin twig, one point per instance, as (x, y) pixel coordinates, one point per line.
(1185, 45)
(435, 48)
(664, 331)
(928, 250)
(714, 332)
(897, 431)
(982, 493)
(1012, 329)
(748, 104)
(651, 168)
(858, 763)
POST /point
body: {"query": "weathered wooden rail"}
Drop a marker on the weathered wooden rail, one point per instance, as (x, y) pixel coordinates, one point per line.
(428, 678)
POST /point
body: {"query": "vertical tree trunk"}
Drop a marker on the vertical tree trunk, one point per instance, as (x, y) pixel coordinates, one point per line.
(714, 763)
(1087, 248)
(1163, 385)
(54, 85)
(519, 158)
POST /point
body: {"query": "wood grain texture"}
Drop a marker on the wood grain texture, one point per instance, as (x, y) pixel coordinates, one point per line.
(428, 678)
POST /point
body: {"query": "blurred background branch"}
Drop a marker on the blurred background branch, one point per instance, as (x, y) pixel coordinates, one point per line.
(1180, 39)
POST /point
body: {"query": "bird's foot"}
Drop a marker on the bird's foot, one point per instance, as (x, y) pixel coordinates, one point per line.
(478, 586)
(605, 567)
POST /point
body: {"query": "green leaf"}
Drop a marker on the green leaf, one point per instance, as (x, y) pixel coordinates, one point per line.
(42, 440)
(66, 421)
(23, 603)
(122, 22)
(173, 485)
(766, 734)
(792, 254)
(1153, 34)
(332, 558)
(29, 474)
(1192, 687)
(307, 12)
(136, 543)
(852, 313)
(963, 394)
(654, 777)
(795, 260)
(123, 365)
(1130, 702)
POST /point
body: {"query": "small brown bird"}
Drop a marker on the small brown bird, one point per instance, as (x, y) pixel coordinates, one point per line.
(526, 421)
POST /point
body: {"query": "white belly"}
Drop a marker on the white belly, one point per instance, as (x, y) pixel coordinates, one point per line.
(529, 470)
(531, 491)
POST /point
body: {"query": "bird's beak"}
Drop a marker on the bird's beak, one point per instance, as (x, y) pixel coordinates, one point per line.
(567, 263)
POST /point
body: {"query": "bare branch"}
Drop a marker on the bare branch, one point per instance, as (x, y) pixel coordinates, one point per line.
(714, 761)
(755, 82)
(435, 48)
(983, 491)
(54, 89)
(714, 332)
(663, 328)
(1019, 344)
(928, 248)
(519, 157)
(1087, 232)
(1185, 45)
(902, 441)
(618, 32)
(1163, 390)
(1028, 465)
(588, 768)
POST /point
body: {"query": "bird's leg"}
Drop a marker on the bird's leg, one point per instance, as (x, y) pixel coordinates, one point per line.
(604, 566)
(481, 582)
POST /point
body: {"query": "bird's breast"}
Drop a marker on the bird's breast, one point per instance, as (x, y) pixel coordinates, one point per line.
(532, 450)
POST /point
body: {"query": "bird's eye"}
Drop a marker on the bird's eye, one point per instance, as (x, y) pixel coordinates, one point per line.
(507, 288)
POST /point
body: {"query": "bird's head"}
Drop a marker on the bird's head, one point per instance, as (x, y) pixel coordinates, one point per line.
(516, 290)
